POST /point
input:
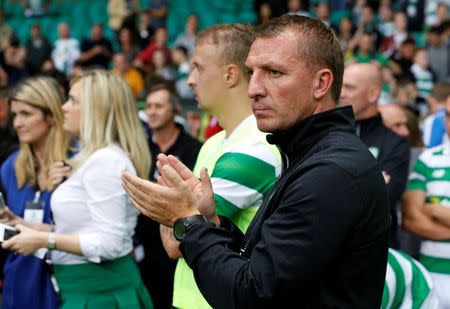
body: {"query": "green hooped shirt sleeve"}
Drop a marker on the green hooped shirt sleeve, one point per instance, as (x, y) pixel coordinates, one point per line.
(418, 178)
(240, 181)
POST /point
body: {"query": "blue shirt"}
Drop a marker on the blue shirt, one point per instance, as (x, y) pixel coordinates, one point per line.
(437, 129)
(26, 281)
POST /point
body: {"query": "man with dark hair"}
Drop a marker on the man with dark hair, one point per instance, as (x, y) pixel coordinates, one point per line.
(320, 237)
(96, 51)
(243, 166)
(168, 137)
(38, 49)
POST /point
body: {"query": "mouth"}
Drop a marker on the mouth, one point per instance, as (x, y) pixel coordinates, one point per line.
(261, 110)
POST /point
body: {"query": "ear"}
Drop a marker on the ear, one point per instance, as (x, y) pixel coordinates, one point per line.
(374, 93)
(232, 75)
(322, 81)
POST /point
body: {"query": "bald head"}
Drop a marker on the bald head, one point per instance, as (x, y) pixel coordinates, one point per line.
(395, 118)
(361, 89)
(64, 30)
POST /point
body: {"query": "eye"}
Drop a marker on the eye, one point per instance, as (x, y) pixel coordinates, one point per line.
(249, 72)
(274, 73)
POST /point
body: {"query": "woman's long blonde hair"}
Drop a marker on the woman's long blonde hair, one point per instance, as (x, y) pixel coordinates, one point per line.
(45, 94)
(109, 116)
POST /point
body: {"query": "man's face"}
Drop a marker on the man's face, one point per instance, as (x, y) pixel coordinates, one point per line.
(35, 31)
(64, 31)
(207, 75)
(280, 83)
(365, 43)
(161, 37)
(120, 63)
(159, 110)
(97, 32)
(355, 91)
(400, 22)
(396, 120)
(407, 50)
(421, 58)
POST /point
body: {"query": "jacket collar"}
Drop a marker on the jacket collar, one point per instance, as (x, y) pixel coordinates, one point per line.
(368, 124)
(296, 141)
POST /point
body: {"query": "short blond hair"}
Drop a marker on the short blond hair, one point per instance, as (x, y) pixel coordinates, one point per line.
(45, 94)
(233, 42)
(109, 117)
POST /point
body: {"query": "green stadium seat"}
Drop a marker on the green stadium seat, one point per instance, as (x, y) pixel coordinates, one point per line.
(337, 16)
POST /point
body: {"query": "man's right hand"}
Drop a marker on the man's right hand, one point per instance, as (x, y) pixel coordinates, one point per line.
(202, 188)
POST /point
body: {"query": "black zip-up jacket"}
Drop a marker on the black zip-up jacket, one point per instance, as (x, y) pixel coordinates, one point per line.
(319, 239)
(393, 155)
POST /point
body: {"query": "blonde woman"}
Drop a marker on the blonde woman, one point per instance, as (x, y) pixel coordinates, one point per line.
(94, 220)
(38, 119)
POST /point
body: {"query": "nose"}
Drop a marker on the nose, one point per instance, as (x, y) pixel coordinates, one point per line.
(404, 131)
(17, 122)
(256, 87)
(64, 107)
(342, 95)
(150, 110)
(191, 79)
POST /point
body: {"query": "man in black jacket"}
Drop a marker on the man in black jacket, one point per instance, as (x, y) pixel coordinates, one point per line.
(320, 237)
(361, 89)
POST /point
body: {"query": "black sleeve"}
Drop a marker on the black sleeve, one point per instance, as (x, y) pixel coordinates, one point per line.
(85, 46)
(108, 45)
(299, 241)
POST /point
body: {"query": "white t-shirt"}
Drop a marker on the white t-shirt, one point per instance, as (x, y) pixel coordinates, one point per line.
(93, 205)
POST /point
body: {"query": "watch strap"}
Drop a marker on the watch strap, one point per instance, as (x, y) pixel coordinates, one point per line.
(186, 222)
(51, 241)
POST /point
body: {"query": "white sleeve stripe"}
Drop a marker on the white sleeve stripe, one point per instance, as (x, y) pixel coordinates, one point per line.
(241, 196)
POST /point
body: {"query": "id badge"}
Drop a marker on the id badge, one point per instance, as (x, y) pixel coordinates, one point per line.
(34, 211)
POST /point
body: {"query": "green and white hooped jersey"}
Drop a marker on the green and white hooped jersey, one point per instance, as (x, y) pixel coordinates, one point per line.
(408, 284)
(243, 167)
(432, 175)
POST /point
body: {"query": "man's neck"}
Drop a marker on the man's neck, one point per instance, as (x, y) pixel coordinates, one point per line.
(166, 137)
(235, 109)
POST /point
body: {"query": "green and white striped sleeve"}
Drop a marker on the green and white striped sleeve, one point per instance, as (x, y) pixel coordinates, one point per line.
(418, 178)
(242, 176)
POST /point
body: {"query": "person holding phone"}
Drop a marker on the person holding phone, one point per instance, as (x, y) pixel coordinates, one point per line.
(94, 219)
(38, 120)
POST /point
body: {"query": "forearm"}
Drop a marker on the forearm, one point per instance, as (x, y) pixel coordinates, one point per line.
(86, 56)
(43, 227)
(427, 228)
(169, 242)
(440, 214)
(67, 243)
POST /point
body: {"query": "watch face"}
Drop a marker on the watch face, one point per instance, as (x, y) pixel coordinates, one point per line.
(179, 230)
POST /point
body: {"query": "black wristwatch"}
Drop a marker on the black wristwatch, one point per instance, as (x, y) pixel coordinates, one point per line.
(182, 225)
